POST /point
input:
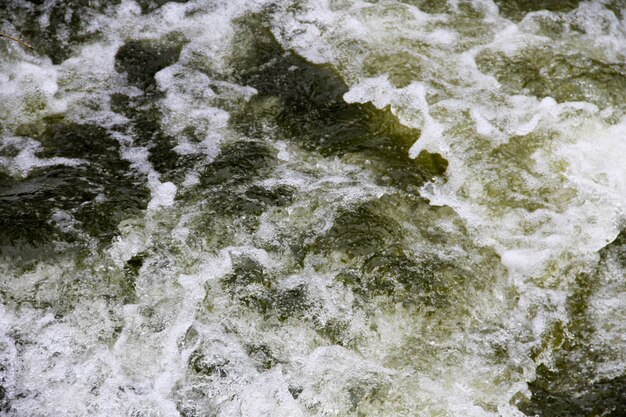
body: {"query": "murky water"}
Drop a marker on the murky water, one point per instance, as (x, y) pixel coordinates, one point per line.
(313, 208)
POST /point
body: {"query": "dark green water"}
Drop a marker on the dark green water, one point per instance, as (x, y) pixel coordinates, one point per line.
(292, 208)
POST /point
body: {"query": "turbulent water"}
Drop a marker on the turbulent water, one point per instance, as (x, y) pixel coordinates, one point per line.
(298, 208)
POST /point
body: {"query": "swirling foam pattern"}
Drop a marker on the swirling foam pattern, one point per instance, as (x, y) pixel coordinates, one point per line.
(313, 208)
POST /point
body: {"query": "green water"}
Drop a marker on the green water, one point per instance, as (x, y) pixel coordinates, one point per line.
(292, 208)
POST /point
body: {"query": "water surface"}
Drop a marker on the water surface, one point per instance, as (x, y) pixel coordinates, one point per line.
(313, 208)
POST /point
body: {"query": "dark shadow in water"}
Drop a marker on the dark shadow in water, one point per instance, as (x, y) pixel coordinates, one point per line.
(140, 61)
(306, 102)
(517, 9)
(57, 29)
(97, 195)
(552, 398)
(148, 6)
(62, 32)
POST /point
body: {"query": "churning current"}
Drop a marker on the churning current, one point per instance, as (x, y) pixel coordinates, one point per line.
(294, 208)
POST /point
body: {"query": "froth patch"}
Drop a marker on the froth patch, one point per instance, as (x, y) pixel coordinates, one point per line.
(162, 196)
(26, 160)
(596, 167)
(267, 396)
(31, 88)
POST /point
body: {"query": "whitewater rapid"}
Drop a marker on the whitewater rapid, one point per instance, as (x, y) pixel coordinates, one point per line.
(313, 208)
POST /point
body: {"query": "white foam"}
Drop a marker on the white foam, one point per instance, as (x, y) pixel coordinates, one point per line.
(27, 160)
(540, 183)
(30, 88)
(331, 373)
(267, 396)
(162, 196)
